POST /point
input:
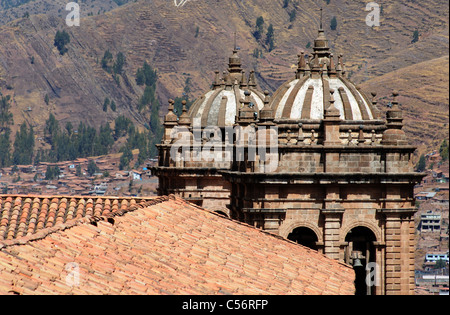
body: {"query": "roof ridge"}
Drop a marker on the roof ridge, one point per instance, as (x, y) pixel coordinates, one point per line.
(279, 237)
(90, 219)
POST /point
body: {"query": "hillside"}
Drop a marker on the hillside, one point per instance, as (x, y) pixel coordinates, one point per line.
(194, 40)
(14, 9)
(424, 97)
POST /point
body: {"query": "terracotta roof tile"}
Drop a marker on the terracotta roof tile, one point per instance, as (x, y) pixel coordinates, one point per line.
(158, 245)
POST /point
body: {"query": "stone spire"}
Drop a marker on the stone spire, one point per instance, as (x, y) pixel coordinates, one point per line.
(171, 117)
(252, 79)
(321, 45)
(315, 69)
(170, 122)
(248, 112)
(301, 65)
(331, 122)
(394, 135)
(332, 68)
(185, 119)
(374, 104)
(266, 114)
(339, 66)
(217, 81)
(235, 64)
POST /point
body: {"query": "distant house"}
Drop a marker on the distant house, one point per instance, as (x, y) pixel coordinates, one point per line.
(425, 195)
(443, 291)
(136, 175)
(435, 256)
(434, 157)
(121, 175)
(430, 222)
(99, 189)
(443, 178)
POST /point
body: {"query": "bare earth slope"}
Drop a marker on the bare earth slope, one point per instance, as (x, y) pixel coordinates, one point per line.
(424, 97)
(194, 40)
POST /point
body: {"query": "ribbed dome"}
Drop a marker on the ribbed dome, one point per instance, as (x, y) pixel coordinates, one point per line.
(307, 96)
(220, 105)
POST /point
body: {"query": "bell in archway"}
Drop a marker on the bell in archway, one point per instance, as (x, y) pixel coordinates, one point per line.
(357, 263)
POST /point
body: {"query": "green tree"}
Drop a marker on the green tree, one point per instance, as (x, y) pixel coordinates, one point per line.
(140, 77)
(292, 15)
(259, 29)
(421, 165)
(51, 128)
(197, 30)
(443, 150)
(126, 158)
(52, 172)
(107, 61)
(122, 124)
(78, 171)
(146, 75)
(440, 264)
(6, 117)
(106, 104)
(120, 62)
(270, 38)
(415, 37)
(62, 39)
(23, 145)
(148, 98)
(333, 23)
(92, 168)
(5, 148)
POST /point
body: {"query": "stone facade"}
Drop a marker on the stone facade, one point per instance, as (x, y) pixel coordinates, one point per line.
(342, 182)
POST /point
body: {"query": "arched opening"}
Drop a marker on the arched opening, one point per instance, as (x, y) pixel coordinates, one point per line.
(304, 236)
(359, 253)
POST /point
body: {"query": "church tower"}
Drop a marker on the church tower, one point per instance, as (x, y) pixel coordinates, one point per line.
(343, 181)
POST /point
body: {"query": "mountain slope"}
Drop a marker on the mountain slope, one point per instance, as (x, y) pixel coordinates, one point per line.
(14, 9)
(194, 40)
(424, 99)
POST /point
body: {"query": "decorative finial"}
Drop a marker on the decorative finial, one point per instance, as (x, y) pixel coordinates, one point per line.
(321, 17)
(185, 120)
(395, 94)
(243, 80)
(361, 139)
(171, 117)
(331, 67)
(252, 79)
(301, 64)
(216, 82)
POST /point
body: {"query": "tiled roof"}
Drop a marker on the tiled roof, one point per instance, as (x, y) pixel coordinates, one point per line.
(26, 215)
(162, 245)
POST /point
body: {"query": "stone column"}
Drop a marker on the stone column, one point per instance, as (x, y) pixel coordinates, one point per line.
(399, 260)
(380, 257)
(331, 232)
(332, 213)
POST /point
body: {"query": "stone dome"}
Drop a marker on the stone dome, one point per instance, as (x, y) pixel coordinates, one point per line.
(220, 106)
(307, 96)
